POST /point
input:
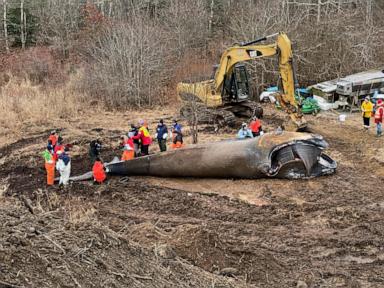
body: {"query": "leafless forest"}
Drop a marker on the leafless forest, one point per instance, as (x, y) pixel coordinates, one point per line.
(133, 52)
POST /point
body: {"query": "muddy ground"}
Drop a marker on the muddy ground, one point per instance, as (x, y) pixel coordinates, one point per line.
(152, 232)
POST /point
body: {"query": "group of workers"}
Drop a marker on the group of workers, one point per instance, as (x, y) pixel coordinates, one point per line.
(134, 144)
(376, 111)
(137, 141)
(56, 156)
(253, 130)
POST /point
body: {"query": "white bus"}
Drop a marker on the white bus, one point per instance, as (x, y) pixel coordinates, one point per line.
(351, 89)
(361, 84)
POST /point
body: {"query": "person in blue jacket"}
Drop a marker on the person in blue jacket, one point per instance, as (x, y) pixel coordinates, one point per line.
(162, 135)
(244, 132)
(176, 126)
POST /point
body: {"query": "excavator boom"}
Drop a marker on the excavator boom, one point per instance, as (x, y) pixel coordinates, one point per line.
(236, 54)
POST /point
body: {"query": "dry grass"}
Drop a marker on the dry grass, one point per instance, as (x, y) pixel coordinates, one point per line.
(78, 211)
(23, 103)
(3, 187)
(74, 209)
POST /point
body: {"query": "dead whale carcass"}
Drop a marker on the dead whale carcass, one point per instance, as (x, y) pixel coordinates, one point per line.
(285, 155)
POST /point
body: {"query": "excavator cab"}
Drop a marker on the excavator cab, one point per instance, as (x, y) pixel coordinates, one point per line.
(236, 87)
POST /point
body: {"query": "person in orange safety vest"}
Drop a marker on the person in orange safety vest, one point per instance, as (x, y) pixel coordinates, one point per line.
(98, 171)
(49, 167)
(128, 148)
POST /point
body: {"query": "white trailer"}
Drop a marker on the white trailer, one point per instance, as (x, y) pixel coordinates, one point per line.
(325, 89)
(361, 84)
(351, 89)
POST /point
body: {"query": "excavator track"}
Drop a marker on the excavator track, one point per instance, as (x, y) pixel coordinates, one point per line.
(220, 116)
(205, 115)
(246, 109)
(224, 118)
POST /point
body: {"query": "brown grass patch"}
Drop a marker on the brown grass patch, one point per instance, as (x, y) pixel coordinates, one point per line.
(23, 103)
(78, 211)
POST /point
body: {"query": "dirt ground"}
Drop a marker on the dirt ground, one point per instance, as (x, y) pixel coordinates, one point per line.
(163, 232)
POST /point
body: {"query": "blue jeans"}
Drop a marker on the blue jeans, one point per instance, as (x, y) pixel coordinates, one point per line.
(379, 128)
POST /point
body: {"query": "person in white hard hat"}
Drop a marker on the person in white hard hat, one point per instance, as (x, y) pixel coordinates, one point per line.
(244, 132)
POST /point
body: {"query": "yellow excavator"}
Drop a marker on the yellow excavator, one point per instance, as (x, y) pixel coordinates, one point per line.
(226, 95)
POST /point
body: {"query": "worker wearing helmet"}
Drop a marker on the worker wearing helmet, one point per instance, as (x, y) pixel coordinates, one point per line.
(244, 132)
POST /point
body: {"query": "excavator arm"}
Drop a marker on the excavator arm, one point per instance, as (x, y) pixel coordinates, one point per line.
(236, 54)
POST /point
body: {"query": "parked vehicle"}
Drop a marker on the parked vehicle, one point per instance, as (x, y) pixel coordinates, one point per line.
(326, 89)
(350, 90)
(361, 84)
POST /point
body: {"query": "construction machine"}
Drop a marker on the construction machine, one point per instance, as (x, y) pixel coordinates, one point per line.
(227, 94)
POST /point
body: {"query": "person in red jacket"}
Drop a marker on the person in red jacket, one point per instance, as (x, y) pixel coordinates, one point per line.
(144, 137)
(58, 147)
(98, 171)
(255, 126)
(53, 138)
(379, 114)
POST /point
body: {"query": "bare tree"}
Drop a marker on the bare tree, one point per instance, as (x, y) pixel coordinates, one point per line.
(319, 3)
(211, 17)
(193, 120)
(368, 17)
(22, 24)
(5, 23)
(129, 64)
(60, 23)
